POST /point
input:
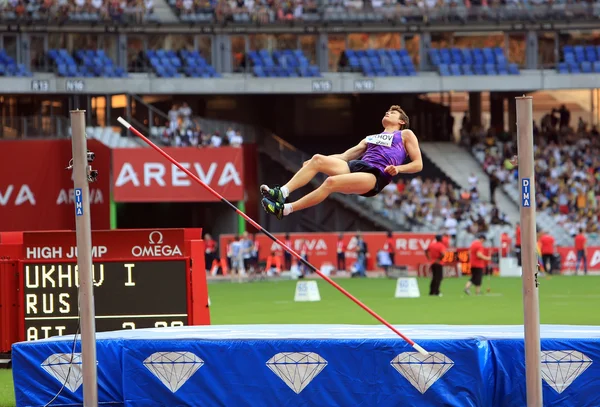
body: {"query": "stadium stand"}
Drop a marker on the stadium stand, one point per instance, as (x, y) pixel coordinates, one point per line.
(379, 62)
(8, 66)
(92, 63)
(468, 62)
(171, 64)
(283, 63)
(79, 11)
(580, 59)
(567, 171)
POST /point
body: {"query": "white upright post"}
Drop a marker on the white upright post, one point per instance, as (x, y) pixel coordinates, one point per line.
(531, 306)
(84, 258)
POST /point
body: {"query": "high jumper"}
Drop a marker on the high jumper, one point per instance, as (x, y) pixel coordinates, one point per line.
(364, 169)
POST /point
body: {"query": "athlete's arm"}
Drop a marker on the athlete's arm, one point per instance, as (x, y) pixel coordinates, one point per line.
(352, 153)
(414, 152)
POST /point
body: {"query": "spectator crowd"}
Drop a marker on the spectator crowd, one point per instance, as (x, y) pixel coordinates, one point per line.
(438, 205)
(181, 130)
(567, 166)
(77, 9)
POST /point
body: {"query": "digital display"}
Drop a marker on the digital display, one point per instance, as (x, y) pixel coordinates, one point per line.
(127, 295)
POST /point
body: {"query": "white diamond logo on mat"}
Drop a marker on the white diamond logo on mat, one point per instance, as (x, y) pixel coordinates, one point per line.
(173, 369)
(422, 371)
(560, 368)
(297, 369)
(58, 366)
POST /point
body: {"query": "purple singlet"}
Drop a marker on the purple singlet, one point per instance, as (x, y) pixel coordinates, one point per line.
(385, 149)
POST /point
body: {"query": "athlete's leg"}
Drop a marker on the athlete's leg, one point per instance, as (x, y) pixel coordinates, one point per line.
(318, 163)
(355, 183)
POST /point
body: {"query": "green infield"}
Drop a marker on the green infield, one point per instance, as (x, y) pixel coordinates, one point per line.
(563, 300)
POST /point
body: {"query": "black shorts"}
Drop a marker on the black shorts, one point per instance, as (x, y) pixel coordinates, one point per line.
(380, 179)
(476, 276)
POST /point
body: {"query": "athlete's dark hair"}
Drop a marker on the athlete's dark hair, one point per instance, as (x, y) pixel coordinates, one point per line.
(403, 116)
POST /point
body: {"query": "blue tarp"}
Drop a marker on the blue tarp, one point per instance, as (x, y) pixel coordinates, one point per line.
(313, 365)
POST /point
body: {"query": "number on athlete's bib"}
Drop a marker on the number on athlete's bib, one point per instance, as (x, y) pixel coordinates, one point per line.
(381, 139)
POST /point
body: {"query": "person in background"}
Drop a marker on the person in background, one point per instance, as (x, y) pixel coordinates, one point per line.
(255, 257)
(547, 248)
(446, 239)
(341, 254)
(505, 242)
(390, 247)
(581, 246)
(361, 258)
(384, 260)
(518, 243)
(435, 253)
(247, 245)
(478, 261)
(287, 257)
(210, 251)
(236, 256)
(304, 254)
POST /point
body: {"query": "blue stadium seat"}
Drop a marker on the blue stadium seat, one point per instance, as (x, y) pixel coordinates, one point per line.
(467, 70)
(597, 67)
(455, 70)
(563, 68)
(490, 69)
(586, 67)
(287, 63)
(513, 69)
(444, 70)
(590, 53)
(92, 63)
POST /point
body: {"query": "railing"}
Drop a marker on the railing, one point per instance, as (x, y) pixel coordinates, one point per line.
(20, 127)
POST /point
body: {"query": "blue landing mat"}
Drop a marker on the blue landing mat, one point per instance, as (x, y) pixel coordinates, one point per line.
(313, 365)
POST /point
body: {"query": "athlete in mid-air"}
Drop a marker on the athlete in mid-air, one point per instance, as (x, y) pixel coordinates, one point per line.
(365, 169)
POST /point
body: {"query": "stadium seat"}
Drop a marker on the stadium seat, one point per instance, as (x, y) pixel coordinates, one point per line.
(8, 66)
(285, 63)
(381, 62)
(172, 64)
(476, 61)
(579, 59)
(92, 63)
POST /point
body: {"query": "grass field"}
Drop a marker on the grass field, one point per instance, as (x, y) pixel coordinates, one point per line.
(563, 300)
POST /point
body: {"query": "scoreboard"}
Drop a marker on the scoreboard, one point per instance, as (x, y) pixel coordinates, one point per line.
(142, 279)
(127, 295)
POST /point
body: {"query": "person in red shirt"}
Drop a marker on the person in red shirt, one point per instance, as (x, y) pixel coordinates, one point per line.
(518, 243)
(506, 242)
(547, 248)
(435, 253)
(581, 246)
(210, 251)
(446, 239)
(478, 261)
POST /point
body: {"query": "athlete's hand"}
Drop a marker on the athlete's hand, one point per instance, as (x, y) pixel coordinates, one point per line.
(515, 161)
(392, 170)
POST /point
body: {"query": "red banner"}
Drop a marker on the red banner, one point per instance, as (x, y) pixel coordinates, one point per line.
(36, 192)
(322, 247)
(569, 259)
(113, 244)
(143, 175)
